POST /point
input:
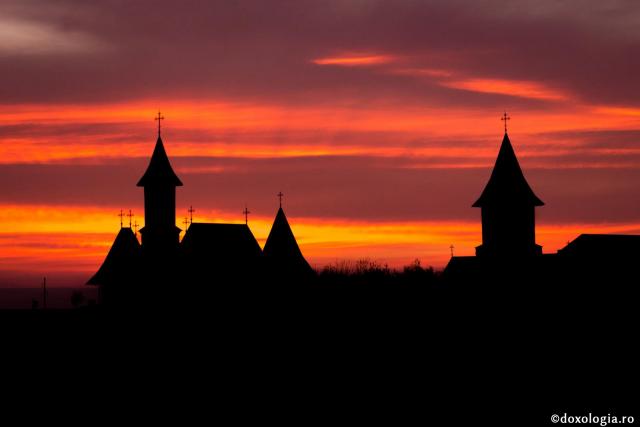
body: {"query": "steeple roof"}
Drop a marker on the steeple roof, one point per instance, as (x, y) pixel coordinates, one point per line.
(121, 261)
(281, 244)
(507, 183)
(159, 170)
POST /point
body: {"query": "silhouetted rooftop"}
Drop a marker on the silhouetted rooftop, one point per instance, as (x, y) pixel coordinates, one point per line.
(159, 170)
(507, 183)
(120, 261)
(281, 244)
(219, 242)
(603, 245)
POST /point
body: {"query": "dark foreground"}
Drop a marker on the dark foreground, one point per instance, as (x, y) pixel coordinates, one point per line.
(510, 352)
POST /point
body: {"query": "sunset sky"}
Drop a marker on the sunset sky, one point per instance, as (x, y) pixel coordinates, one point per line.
(379, 121)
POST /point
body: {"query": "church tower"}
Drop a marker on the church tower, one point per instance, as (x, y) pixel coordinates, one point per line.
(508, 209)
(159, 234)
(282, 252)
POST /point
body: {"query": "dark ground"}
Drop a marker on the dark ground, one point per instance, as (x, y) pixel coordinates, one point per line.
(351, 348)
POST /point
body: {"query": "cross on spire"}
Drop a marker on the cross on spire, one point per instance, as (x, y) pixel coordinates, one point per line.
(130, 215)
(191, 211)
(280, 195)
(121, 215)
(452, 248)
(135, 228)
(158, 118)
(185, 221)
(246, 213)
(504, 118)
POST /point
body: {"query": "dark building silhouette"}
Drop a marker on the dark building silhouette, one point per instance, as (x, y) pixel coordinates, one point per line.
(509, 254)
(163, 269)
(160, 234)
(602, 247)
(120, 269)
(508, 209)
(601, 259)
(282, 252)
(212, 252)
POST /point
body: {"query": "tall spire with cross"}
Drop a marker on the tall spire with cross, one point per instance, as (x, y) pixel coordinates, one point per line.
(159, 118)
(160, 234)
(246, 213)
(504, 118)
(130, 215)
(282, 250)
(507, 206)
(185, 221)
(191, 211)
(121, 215)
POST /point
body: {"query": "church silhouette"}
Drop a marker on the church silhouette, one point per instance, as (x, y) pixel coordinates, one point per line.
(215, 258)
(509, 254)
(210, 255)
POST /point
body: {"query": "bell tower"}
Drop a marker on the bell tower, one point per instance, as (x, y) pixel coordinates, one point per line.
(508, 209)
(160, 235)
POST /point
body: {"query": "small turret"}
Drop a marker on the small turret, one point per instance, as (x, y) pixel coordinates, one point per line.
(508, 209)
(160, 233)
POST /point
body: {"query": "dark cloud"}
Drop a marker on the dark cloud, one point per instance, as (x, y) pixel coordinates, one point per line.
(262, 50)
(607, 139)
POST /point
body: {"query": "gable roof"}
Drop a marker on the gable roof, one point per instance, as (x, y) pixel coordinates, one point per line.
(159, 170)
(120, 263)
(281, 244)
(603, 245)
(220, 242)
(507, 183)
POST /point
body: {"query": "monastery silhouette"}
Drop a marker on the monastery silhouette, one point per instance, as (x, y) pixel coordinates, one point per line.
(509, 253)
(214, 257)
(210, 254)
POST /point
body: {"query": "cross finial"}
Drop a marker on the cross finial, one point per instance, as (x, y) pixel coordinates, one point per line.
(185, 221)
(130, 215)
(191, 211)
(121, 215)
(246, 213)
(452, 248)
(158, 118)
(504, 118)
(135, 228)
(280, 195)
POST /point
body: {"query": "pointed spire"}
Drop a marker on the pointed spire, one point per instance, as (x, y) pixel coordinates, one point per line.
(121, 215)
(504, 118)
(159, 170)
(246, 213)
(159, 118)
(191, 211)
(282, 246)
(121, 261)
(507, 183)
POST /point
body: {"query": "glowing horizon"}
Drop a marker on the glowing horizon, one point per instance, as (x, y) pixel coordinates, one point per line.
(379, 122)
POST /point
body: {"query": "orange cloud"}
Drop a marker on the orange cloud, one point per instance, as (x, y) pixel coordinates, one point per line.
(519, 88)
(355, 60)
(422, 72)
(184, 118)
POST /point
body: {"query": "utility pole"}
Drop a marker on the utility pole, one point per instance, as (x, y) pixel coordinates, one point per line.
(44, 293)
